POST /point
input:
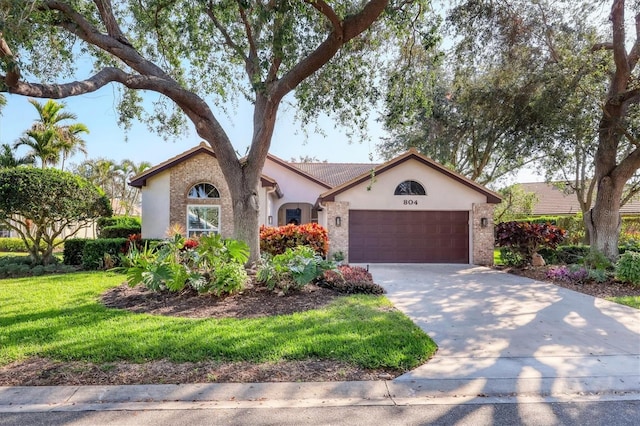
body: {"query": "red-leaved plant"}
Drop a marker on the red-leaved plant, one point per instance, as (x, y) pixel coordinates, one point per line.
(527, 238)
(276, 240)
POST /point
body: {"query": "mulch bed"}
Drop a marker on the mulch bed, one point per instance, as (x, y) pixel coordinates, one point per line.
(255, 301)
(604, 290)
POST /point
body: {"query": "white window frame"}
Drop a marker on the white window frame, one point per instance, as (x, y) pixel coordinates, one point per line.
(204, 231)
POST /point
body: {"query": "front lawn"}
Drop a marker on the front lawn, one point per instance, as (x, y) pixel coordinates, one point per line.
(633, 301)
(60, 317)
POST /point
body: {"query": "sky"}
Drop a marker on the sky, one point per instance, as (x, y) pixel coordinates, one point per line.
(107, 140)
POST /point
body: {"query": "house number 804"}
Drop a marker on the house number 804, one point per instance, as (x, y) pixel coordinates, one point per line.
(410, 202)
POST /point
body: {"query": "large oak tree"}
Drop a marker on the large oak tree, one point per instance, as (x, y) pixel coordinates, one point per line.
(614, 168)
(200, 54)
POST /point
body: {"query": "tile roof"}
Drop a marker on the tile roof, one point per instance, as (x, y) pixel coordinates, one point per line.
(553, 200)
(335, 174)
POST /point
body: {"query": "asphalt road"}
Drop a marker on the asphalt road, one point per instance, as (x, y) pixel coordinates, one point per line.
(570, 413)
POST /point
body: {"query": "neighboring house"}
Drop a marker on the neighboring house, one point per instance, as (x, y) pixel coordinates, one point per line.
(409, 209)
(555, 201)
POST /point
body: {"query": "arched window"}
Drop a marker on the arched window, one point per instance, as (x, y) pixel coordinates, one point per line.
(410, 187)
(204, 190)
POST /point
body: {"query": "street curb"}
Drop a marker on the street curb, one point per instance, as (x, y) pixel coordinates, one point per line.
(272, 395)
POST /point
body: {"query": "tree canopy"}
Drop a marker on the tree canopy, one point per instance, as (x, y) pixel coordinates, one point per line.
(40, 203)
(500, 87)
(201, 55)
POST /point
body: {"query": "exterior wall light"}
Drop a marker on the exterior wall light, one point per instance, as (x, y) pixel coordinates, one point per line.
(338, 221)
(484, 222)
(270, 220)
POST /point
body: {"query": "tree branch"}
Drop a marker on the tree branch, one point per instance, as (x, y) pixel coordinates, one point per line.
(331, 15)
(253, 67)
(6, 56)
(109, 20)
(80, 26)
(607, 45)
(619, 53)
(225, 34)
(352, 26)
(633, 191)
(634, 53)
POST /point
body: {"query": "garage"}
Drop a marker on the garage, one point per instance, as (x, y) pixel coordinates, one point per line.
(391, 236)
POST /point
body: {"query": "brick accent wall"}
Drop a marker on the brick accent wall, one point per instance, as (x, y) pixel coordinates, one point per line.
(338, 235)
(198, 169)
(483, 239)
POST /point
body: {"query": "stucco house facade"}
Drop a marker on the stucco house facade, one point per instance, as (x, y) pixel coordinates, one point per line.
(407, 210)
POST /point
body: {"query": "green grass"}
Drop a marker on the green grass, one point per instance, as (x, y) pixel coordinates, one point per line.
(59, 317)
(633, 301)
(497, 258)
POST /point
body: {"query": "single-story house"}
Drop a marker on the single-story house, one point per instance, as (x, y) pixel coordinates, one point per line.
(553, 200)
(408, 210)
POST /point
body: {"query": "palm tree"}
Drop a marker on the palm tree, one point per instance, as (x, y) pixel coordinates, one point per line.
(64, 138)
(8, 158)
(130, 196)
(42, 144)
(71, 143)
(113, 178)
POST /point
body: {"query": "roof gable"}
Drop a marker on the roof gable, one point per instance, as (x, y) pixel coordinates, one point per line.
(203, 148)
(141, 180)
(330, 195)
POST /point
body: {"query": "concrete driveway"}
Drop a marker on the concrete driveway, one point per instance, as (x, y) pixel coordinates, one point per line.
(502, 334)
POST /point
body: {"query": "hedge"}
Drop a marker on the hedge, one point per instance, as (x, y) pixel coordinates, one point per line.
(16, 245)
(90, 253)
(119, 231)
(94, 251)
(12, 245)
(73, 249)
(130, 221)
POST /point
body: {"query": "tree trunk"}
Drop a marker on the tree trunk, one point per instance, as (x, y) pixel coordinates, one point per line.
(603, 220)
(246, 222)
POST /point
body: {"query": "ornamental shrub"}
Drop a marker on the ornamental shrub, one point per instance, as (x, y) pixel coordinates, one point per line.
(351, 280)
(293, 269)
(510, 257)
(276, 240)
(20, 266)
(573, 273)
(209, 264)
(526, 238)
(572, 254)
(628, 268)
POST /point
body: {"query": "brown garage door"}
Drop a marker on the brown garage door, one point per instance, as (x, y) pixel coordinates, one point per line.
(383, 236)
